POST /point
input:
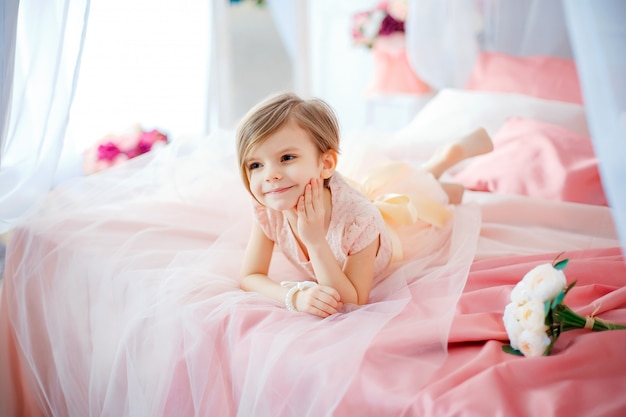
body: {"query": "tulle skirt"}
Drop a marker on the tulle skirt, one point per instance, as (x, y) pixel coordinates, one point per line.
(122, 297)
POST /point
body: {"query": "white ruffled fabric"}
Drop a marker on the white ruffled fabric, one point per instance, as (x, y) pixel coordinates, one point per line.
(123, 298)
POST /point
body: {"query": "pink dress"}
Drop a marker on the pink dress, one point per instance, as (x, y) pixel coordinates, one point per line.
(121, 297)
(354, 223)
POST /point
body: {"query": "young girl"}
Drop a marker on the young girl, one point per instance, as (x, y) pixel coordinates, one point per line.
(287, 151)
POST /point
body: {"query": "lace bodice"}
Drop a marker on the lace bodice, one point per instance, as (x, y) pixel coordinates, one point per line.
(354, 223)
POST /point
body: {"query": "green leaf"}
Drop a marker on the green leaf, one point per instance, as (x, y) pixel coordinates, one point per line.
(570, 286)
(509, 349)
(546, 308)
(558, 299)
(561, 264)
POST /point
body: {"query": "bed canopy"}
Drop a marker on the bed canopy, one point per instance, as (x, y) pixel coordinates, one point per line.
(41, 55)
(446, 38)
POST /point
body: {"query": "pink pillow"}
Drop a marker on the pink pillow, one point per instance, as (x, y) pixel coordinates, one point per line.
(544, 77)
(537, 159)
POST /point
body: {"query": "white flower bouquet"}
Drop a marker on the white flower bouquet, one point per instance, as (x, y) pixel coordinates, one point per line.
(537, 314)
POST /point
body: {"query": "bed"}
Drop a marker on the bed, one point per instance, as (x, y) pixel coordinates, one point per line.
(82, 335)
(120, 297)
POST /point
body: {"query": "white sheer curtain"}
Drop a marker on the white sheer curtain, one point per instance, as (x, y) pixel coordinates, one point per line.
(598, 34)
(144, 63)
(159, 64)
(292, 22)
(317, 35)
(36, 97)
(445, 37)
(8, 20)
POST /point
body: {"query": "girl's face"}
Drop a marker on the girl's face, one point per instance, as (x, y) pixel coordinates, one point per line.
(281, 166)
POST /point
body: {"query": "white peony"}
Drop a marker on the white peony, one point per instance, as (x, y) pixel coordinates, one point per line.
(533, 344)
(532, 316)
(525, 317)
(520, 293)
(512, 325)
(544, 282)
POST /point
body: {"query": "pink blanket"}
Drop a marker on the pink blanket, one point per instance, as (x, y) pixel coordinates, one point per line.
(585, 375)
(121, 299)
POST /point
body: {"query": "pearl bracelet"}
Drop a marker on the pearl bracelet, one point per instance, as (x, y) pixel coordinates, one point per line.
(295, 287)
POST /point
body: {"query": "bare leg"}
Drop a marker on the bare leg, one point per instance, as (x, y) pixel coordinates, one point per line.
(476, 143)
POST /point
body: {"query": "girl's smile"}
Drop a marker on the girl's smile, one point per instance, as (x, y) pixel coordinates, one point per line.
(281, 166)
(278, 190)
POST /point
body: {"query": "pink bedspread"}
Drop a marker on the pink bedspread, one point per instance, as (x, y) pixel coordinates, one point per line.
(131, 307)
(585, 375)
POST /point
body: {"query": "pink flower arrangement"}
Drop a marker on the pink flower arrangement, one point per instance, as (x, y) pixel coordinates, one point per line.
(116, 148)
(384, 19)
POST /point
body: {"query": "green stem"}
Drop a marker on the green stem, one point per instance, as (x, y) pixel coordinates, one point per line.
(570, 320)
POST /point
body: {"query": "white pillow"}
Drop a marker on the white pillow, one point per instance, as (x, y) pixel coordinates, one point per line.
(453, 113)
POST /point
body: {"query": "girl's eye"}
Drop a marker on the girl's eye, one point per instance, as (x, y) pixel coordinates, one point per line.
(254, 165)
(288, 157)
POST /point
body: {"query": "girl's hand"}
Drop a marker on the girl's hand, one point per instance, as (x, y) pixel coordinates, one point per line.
(311, 212)
(320, 301)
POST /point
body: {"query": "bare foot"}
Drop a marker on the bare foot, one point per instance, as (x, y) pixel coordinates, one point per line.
(454, 191)
(476, 143)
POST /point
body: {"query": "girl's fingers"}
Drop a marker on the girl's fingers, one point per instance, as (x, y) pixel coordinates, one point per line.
(303, 201)
(311, 201)
(308, 199)
(328, 299)
(331, 292)
(300, 205)
(315, 185)
(320, 313)
(324, 308)
(325, 302)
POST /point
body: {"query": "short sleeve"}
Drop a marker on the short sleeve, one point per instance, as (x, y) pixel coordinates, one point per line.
(360, 232)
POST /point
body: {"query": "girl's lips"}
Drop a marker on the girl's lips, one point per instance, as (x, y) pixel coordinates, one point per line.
(278, 190)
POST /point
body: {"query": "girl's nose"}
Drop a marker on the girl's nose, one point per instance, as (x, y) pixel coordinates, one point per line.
(272, 173)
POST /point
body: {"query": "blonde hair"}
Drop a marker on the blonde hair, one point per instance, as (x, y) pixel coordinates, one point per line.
(313, 116)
